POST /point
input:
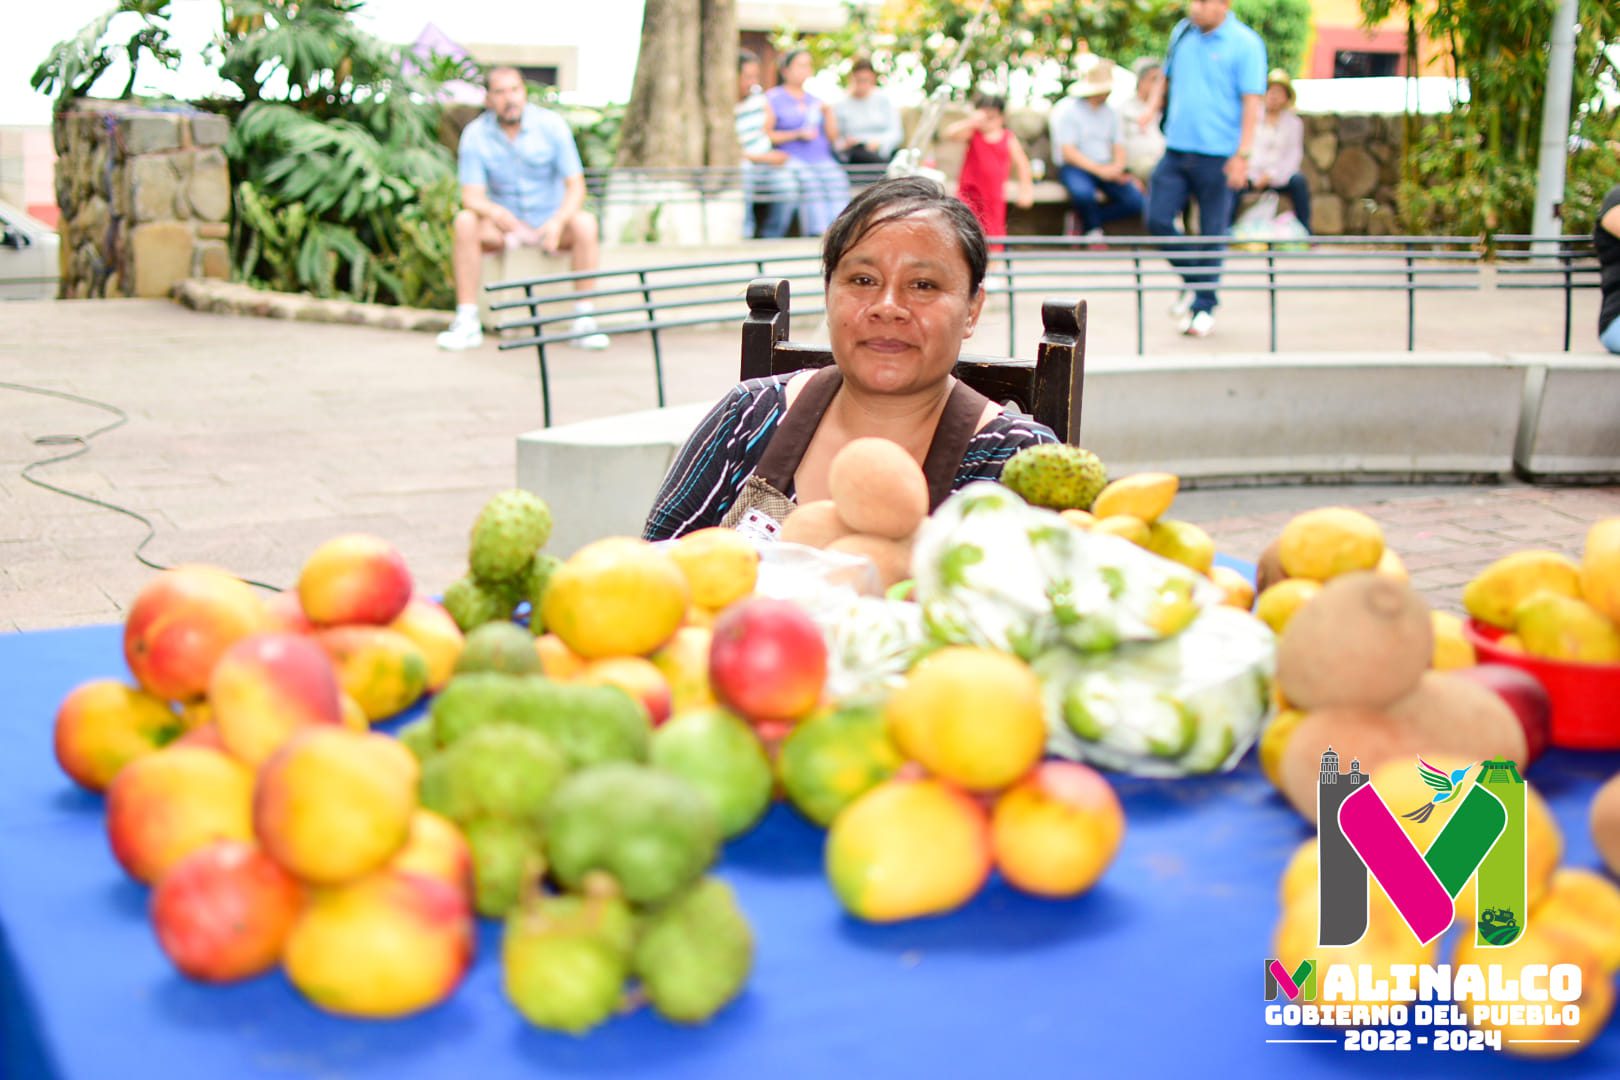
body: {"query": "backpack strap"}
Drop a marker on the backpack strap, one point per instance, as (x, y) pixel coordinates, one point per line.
(796, 428)
(957, 426)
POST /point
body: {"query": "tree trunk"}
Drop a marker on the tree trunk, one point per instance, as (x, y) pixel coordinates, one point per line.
(680, 111)
(718, 61)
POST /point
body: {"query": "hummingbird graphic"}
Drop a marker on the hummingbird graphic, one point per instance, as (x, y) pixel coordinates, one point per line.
(1445, 788)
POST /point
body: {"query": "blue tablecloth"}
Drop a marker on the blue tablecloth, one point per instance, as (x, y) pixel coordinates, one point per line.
(1159, 968)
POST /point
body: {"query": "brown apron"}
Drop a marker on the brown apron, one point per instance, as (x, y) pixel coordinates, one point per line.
(763, 490)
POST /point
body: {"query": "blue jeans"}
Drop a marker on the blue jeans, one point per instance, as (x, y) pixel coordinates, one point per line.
(1298, 191)
(1123, 199)
(775, 188)
(1178, 177)
(1611, 336)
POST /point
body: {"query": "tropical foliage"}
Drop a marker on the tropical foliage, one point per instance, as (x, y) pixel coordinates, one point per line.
(924, 36)
(75, 65)
(1474, 170)
(343, 187)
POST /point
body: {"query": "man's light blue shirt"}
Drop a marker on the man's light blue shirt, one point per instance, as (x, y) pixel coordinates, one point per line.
(526, 175)
(1209, 75)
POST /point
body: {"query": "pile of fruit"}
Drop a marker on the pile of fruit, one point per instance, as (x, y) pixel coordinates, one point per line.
(243, 785)
(1548, 605)
(1364, 667)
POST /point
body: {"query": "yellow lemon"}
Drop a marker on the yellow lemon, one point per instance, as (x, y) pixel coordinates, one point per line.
(1277, 605)
(908, 848)
(1081, 518)
(1274, 740)
(1600, 567)
(970, 715)
(1391, 564)
(616, 597)
(1182, 542)
(721, 567)
(1452, 649)
(1144, 496)
(1333, 540)
(1124, 526)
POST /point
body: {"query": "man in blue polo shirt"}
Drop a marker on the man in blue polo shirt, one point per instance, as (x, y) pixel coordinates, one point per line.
(521, 184)
(1216, 72)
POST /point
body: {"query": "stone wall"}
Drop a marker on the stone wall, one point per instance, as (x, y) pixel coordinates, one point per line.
(1353, 165)
(145, 195)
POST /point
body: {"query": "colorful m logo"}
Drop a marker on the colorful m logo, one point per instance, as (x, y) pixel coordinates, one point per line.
(1300, 986)
(1484, 839)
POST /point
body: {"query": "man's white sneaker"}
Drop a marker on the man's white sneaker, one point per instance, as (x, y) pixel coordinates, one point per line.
(1198, 324)
(587, 325)
(462, 335)
(1182, 304)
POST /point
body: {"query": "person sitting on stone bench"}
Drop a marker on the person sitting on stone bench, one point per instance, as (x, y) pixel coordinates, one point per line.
(521, 186)
(1279, 148)
(1090, 143)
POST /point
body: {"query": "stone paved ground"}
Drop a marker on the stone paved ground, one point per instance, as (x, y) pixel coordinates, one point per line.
(249, 441)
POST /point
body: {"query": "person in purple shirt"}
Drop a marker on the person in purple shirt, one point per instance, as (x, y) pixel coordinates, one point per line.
(521, 185)
(805, 128)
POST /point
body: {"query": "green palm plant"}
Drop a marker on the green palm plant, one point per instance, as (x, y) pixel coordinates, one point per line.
(335, 125)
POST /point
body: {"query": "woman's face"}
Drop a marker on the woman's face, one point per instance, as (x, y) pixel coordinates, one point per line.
(797, 70)
(898, 307)
(747, 78)
(1276, 97)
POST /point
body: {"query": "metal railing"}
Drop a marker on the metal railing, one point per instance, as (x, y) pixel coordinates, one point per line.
(653, 299)
(1548, 262)
(1409, 264)
(652, 186)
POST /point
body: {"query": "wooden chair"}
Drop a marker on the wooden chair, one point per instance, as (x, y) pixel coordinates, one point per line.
(1048, 390)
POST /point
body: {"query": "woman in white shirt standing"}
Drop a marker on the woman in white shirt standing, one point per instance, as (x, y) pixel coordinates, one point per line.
(1279, 148)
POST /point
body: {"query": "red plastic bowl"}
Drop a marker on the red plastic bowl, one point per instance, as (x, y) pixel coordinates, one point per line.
(1585, 697)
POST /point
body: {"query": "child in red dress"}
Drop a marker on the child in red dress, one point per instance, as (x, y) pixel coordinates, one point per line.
(991, 151)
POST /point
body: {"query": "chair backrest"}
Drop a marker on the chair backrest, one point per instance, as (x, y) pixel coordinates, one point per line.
(1048, 390)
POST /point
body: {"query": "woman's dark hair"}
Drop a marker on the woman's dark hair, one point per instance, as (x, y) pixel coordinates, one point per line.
(990, 101)
(901, 197)
(787, 58)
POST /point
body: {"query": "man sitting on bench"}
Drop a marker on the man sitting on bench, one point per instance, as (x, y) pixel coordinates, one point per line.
(521, 185)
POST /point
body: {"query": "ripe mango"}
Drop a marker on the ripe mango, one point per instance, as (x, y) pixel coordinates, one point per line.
(1332, 540)
(1600, 567)
(384, 671)
(1143, 495)
(1506, 583)
(1565, 628)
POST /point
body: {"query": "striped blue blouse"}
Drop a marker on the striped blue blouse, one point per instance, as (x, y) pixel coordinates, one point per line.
(717, 459)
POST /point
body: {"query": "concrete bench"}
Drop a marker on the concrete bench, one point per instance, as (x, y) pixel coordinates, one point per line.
(600, 476)
(1570, 429)
(1219, 419)
(1307, 416)
(515, 264)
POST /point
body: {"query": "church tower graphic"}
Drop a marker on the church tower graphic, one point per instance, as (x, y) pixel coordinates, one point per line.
(1343, 889)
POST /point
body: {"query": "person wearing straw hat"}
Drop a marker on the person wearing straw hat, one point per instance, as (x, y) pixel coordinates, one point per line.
(1279, 148)
(1215, 72)
(1090, 142)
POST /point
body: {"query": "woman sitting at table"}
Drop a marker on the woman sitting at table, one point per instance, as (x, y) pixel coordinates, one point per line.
(903, 268)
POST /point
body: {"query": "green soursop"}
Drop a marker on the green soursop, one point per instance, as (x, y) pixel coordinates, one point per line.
(592, 725)
(469, 702)
(723, 758)
(499, 646)
(649, 829)
(537, 578)
(564, 960)
(1056, 476)
(510, 529)
(694, 954)
(418, 738)
(497, 771)
(508, 859)
(473, 604)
